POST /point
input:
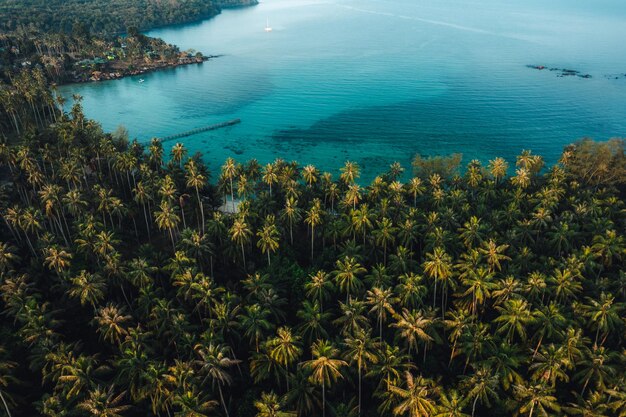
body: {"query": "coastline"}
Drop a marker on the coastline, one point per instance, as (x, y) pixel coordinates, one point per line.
(118, 74)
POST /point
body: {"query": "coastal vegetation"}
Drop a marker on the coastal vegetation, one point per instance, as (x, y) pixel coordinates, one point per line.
(136, 282)
(106, 16)
(93, 40)
(81, 56)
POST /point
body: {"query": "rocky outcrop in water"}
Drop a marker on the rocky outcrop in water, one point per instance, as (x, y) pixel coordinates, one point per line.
(561, 72)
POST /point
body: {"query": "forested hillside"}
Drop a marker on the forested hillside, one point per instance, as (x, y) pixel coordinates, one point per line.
(135, 282)
(106, 16)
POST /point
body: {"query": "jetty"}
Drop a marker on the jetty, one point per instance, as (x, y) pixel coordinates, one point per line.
(200, 130)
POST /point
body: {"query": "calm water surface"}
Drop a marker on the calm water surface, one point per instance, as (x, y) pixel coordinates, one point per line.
(376, 81)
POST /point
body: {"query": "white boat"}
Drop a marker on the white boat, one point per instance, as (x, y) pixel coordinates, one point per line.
(141, 80)
(268, 28)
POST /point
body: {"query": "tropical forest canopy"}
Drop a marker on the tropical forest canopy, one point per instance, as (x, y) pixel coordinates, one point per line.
(106, 16)
(135, 282)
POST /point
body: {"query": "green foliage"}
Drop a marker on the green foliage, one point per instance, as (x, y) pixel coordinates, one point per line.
(444, 166)
(105, 16)
(597, 163)
(125, 289)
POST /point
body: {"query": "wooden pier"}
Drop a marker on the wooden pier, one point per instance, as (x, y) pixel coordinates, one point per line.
(200, 130)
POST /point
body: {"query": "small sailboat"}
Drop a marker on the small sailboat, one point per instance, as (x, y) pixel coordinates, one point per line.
(268, 28)
(141, 80)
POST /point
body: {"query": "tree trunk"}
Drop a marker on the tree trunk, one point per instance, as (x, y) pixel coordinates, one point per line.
(474, 405)
(312, 242)
(201, 208)
(243, 254)
(219, 387)
(6, 407)
(323, 398)
(359, 390)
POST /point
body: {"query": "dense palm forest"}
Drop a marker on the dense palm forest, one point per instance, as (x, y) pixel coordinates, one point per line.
(135, 282)
(106, 16)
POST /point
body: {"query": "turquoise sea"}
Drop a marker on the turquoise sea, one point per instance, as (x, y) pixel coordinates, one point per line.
(375, 81)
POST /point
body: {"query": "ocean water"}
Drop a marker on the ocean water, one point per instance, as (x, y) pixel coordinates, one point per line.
(376, 81)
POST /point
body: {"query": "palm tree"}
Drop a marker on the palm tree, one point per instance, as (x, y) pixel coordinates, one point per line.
(254, 322)
(312, 321)
(319, 287)
(268, 237)
(416, 399)
(178, 153)
(292, 213)
(197, 181)
(536, 397)
(481, 386)
(111, 321)
(103, 403)
(325, 366)
(214, 361)
(350, 172)
(167, 219)
(381, 302)
(269, 176)
(240, 233)
(494, 254)
(438, 267)
(314, 218)
(7, 257)
(57, 259)
(385, 234)
(413, 328)
(303, 394)
(362, 350)
(228, 172)
(88, 288)
(347, 275)
(270, 405)
(310, 175)
(603, 314)
(416, 187)
(5, 379)
(284, 349)
(514, 318)
(498, 167)
(193, 403)
(550, 365)
(452, 405)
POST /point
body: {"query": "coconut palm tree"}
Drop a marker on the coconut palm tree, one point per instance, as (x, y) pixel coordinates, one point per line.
(319, 287)
(292, 213)
(268, 237)
(103, 403)
(313, 219)
(347, 276)
(381, 302)
(416, 399)
(240, 233)
(213, 362)
(481, 386)
(284, 349)
(270, 405)
(196, 180)
(452, 405)
(228, 173)
(536, 397)
(167, 219)
(361, 349)
(325, 367)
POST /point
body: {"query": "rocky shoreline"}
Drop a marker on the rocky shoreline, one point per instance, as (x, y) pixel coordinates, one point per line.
(119, 73)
